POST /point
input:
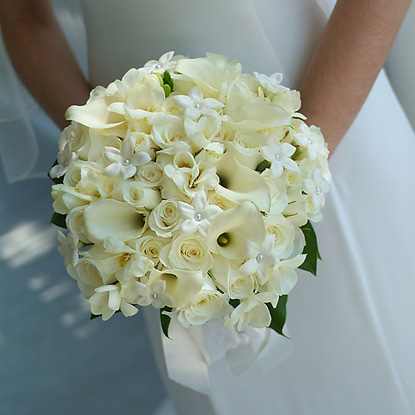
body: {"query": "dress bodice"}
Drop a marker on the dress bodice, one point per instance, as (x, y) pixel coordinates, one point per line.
(128, 33)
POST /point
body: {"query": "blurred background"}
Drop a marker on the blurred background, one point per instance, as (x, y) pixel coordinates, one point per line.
(53, 359)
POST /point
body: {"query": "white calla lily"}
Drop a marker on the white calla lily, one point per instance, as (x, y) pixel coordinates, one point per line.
(111, 218)
(96, 114)
(239, 183)
(229, 231)
(181, 285)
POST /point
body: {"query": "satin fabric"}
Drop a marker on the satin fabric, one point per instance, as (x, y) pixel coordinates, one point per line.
(351, 328)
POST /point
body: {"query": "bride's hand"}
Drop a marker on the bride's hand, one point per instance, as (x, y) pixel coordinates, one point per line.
(350, 54)
(42, 57)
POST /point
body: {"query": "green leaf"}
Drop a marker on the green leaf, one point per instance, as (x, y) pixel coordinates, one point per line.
(59, 220)
(234, 303)
(165, 320)
(167, 80)
(310, 249)
(278, 315)
(263, 165)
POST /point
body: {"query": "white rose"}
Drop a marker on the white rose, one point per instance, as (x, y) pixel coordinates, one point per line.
(187, 252)
(66, 198)
(150, 245)
(278, 191)
(75, 223)
(229, 278)
(149, 174)
(219, 200)
(284, 232)
(164, 218)
(208, 305)
(240, 285)
(167, 129)
(141, 197)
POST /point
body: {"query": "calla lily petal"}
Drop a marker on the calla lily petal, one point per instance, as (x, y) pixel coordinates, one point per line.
(111, 218)
(229, 231)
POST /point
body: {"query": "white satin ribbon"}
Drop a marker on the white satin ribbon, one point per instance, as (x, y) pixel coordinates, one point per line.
(189, 352)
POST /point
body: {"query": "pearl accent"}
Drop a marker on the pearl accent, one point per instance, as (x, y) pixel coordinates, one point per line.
(310, 141)
(260, 257)
(198, 216)
(154, 295)
(318, 190)
(197, 106)
(277, 157)
(126, 162)
(158, 66)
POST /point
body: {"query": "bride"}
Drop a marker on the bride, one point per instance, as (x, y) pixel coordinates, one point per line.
(352, 328)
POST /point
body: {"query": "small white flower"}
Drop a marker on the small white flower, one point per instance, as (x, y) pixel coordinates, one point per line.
(311, 138)
(68, 248)
(252, 311)
(279, 155)
(107, 300)
(195, 106)
(164, 63)
(197, 216)
(316, 188)
(153, 294)
(65, 157)
(261, 259)
(124, 161)
(271, 83)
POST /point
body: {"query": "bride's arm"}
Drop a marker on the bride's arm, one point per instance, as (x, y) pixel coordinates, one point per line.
(347, 60)
(42, 56)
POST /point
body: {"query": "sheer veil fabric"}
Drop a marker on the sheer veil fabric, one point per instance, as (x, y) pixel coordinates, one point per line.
(28, 139)
(351, 328)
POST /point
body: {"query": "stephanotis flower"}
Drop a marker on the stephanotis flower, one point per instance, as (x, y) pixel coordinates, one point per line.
(316, 188)
(279, 155)
(164, 63)
(68, 248)
(153, 294)
(124, 161)
(261, 259)
(271, 83)
(107, 300)
(195, 106)
(312, 139)
(65, 157)
(197, 216)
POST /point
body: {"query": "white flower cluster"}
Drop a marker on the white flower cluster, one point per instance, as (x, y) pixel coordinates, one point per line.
(189, 196)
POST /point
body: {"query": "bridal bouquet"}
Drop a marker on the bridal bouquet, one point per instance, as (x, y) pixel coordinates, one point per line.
(189, 186)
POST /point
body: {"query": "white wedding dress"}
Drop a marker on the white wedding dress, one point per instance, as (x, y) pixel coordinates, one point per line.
(352, 328)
